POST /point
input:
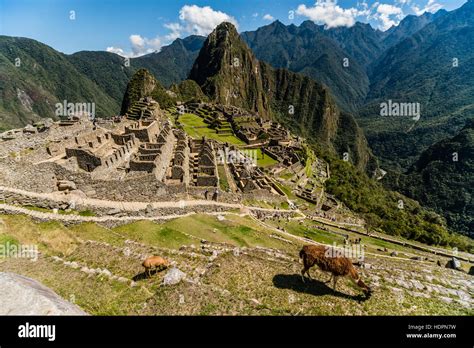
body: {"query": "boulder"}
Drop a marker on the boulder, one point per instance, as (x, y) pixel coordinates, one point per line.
(114, 211)
(66, 185)
(30, 129)
(173, 276)
(48, 122)
(454, 263)
(26, 296)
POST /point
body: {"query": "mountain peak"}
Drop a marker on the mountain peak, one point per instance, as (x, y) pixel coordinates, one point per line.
(225, 28)
(227, 71)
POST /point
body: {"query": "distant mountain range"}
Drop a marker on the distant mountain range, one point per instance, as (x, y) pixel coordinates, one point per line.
(433, 67)
(443, 178)
(45, 76)
(308, 49)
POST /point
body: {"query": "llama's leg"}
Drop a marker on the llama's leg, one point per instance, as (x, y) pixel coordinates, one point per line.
(309, 275)
(334, 283)
(303, 271)
(305, 268)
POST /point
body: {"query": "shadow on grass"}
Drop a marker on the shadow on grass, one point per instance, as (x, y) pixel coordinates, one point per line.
(311, 286)
(144, 275)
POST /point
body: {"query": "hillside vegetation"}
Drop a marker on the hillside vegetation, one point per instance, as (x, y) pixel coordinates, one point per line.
(239, 270)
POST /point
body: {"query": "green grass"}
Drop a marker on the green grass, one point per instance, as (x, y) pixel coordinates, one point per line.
(247, 276)
(287, 176)
(223, 182)
(92, 231)
(154, 234)
(197, 128)
(287, 191)
(263, 160)
(7, 241)
(315, 234)
(236, 230)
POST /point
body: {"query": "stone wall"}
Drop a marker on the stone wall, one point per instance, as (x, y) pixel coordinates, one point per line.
(86, 160)
(145, 131)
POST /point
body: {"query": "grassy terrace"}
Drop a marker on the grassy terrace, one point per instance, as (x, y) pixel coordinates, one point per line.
(250, 282)
(264, 160)
(197, 128)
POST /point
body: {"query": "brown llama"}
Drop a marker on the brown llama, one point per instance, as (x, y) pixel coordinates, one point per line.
(338, 266)
(154, 262)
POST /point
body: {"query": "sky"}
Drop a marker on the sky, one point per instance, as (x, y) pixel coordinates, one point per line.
(132, 28)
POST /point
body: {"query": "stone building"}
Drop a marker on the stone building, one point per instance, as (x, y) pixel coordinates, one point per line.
(145, 108)
(204, 164)
(100, 148)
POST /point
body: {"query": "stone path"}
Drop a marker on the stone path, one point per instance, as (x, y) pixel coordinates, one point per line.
(137, 206)
(131, 206)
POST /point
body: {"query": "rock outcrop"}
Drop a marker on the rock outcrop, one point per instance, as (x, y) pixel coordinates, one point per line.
(24, 296)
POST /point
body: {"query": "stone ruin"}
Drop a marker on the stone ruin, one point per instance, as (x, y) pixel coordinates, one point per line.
(249, 178)
(101, 148)
(145, 108)
(204, 164)
(179, 170)
(145, 144)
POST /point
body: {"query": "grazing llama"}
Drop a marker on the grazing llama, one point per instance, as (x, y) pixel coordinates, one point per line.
(154, 262)
(337, 266)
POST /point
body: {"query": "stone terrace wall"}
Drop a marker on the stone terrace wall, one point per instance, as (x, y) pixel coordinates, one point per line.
(38, 178)
(71, 202)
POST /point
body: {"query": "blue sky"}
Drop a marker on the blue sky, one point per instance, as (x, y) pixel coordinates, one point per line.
(133, 28)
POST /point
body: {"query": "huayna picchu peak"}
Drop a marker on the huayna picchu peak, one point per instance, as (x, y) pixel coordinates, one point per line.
(228, 73)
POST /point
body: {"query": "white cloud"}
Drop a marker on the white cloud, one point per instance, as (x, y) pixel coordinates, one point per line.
(268, 17)
(116, 50)
(139, 45)
(175, 31)
(388, 15)
(193, 20)
(432, 6)
(255, 15)
(202, 20)
(388, 9)
(142, 45)
(330, 14)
